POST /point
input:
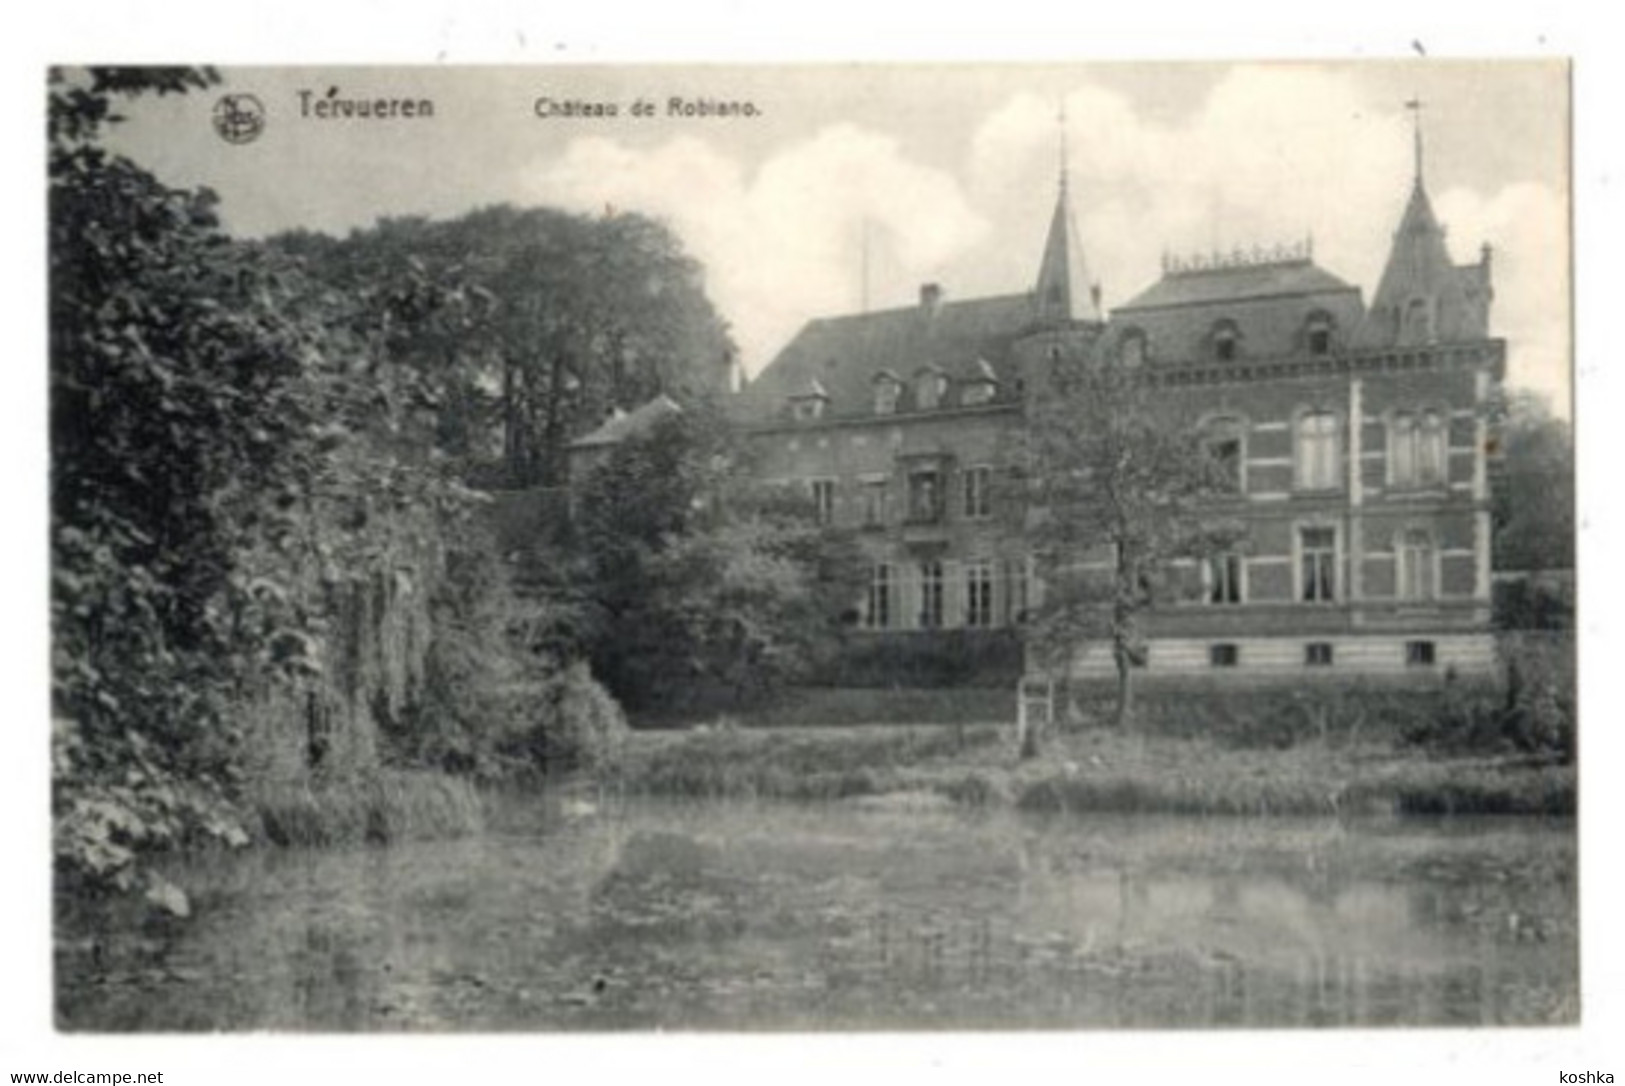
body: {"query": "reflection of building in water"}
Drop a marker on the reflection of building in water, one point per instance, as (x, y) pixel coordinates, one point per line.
(1353, 439)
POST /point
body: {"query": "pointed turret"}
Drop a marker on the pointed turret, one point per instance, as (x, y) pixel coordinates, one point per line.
(1422, 296)
(1064, 292)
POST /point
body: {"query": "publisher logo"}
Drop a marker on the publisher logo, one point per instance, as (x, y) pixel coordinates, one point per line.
(239, 118)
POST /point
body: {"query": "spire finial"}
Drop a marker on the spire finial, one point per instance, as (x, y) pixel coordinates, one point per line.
(1415, 106)
(1060, 119)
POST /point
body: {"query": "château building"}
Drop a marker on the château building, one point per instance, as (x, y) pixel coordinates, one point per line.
(1354, 436)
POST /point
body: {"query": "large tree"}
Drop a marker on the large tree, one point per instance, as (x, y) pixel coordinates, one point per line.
(693, 571)
(246, 490)
(1534, 488)
(1120, 494)
(560, 319)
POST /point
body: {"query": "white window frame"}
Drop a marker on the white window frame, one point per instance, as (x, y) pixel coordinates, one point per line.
(1223, 427)
(823, 492)
(877, 604)
(979, 593)
(1416, 566)
(933, 595)
(1318, 468)
(983, 507)
(1211, 579)
(1298, 554)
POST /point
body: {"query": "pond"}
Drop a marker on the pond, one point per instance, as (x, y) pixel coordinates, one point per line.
(733, 915)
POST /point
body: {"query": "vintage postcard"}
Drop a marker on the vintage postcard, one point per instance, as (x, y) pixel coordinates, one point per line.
(812, 548)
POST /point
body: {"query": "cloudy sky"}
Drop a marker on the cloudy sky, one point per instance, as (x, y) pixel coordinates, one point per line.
(950, 171)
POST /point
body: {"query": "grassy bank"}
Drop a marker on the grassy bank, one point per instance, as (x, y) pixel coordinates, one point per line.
(379, 807)
(1094, 770)
(828, 706)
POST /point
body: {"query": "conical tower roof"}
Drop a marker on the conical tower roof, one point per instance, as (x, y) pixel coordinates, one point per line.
(1423, 297)
(1064, 291)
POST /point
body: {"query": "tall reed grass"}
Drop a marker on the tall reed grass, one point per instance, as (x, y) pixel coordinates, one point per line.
(380, 807)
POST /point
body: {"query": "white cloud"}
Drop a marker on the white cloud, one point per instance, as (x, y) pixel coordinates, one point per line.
(1275, 153)
(783, 245)
(1527, 224)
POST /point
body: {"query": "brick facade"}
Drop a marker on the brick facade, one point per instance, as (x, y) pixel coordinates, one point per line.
(1361, 461)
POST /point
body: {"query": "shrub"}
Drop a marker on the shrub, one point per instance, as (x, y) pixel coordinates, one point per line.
(577, 726)
(391, 805)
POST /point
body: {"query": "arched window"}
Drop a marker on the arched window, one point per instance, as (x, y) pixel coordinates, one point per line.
(1316, 459)
(1225, 340)
(1225, 441)
(1415, 557)
(1417, 448)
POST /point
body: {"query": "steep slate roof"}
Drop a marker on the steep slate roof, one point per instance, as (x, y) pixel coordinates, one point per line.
(1232, 283)
(1419, 269)
(969, 341)
(1269, 302)
(620, 427)
(1064, 291)
(846, 354)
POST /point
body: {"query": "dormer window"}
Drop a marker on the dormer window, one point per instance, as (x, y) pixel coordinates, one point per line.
(982, 387)
(929, 388)
(1318, 334)
(809, 405)
(1225, 341)
(887, 389)
(1417, 325)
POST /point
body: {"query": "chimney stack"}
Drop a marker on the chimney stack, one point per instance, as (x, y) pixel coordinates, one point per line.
(930, 296)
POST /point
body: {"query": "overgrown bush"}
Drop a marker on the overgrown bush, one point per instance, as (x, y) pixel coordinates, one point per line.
(576, 726)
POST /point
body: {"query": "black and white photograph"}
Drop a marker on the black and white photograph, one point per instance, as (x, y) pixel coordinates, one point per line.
(869, 548)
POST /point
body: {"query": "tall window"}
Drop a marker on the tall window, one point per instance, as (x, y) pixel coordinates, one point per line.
(1418, 446)
(877, 605)
(1415, 560)
(823, 495)
(1317, 549)
(874, 503)
(925, 496)
(931, 595)
(979, 593)
(1317, 450)
(1226, 341)
(977, 480)
(1224, 578)
(1432, 448)
(1223, 442)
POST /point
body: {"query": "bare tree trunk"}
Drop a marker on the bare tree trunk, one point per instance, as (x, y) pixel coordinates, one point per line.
(1125, 688)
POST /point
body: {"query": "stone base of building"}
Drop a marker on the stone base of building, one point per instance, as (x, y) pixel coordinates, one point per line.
(1410, 655)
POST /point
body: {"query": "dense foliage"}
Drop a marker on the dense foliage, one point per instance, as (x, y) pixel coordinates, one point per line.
(694, 574)
(577, 316)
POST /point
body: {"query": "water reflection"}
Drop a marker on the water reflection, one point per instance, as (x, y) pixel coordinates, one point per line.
(743, 916)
